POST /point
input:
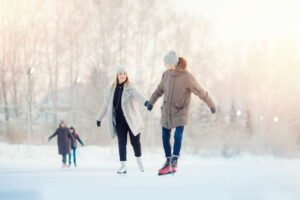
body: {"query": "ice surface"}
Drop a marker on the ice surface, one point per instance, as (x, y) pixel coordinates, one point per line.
(35, 173)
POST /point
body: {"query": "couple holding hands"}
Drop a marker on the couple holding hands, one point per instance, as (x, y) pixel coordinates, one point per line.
(121, 109)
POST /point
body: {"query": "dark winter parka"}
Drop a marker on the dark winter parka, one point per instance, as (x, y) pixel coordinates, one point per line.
(177, 86)
(64, 138)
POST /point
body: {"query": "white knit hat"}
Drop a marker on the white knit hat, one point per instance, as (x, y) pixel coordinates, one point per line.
(171, 58)
(120, 69)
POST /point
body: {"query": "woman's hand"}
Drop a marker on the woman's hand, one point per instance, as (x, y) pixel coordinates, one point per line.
(213, 110)
(148, 105)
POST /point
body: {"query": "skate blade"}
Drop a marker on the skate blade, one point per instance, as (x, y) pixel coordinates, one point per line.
(160, 174)
(122, 172)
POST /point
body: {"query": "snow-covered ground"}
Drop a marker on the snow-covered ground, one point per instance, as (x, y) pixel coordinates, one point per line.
(34, 173)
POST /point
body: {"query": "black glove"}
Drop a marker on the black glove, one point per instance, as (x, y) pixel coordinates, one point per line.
(98, 123)
(213, 110)
(49, 139)
(148, 105)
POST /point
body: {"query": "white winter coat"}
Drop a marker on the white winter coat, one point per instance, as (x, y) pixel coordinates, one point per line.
(130, 98)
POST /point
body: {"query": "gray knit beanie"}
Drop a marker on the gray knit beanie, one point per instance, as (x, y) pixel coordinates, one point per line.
(120, 69)
(171, 58)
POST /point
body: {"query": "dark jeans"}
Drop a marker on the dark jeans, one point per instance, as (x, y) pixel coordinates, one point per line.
(122, 132)
(166, 134)
(64, 158)
(74, 156)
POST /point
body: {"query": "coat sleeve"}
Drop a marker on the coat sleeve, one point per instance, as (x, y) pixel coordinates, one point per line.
(201, 93)
(158, 92)
(79, 140)
(138, 96)
(104, 107)
(53, 135)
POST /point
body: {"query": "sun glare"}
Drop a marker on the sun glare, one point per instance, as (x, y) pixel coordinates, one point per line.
(255, 18)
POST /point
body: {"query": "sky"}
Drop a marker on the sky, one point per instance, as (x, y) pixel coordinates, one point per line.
(272, 19)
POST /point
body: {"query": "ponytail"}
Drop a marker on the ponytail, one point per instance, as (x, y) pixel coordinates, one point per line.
(181, 64)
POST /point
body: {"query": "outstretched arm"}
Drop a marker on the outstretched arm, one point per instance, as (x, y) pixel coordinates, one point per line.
(158, 92)
(202, 94)
(79, 140)
(138, 96)
(53, 135)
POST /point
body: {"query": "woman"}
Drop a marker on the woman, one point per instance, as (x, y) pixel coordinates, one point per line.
(120, 105)
(176, 85)
(64, 138)
(74, 145)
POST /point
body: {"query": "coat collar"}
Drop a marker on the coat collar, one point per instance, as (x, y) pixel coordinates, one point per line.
(126, 92)
(176, 72)
(127, 87)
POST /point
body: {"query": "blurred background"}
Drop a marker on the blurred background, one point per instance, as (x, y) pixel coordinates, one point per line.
(57, 58)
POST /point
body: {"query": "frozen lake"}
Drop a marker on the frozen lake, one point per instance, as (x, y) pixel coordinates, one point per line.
(35, 173)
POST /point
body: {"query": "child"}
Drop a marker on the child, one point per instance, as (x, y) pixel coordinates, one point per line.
(74, 145)
(64, 138)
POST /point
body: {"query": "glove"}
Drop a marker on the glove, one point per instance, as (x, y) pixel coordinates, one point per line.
(98, 123)
(48, 139)
(213, 110)
(148, 105)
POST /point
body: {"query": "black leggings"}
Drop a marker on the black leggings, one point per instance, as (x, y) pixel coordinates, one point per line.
(122, 130)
